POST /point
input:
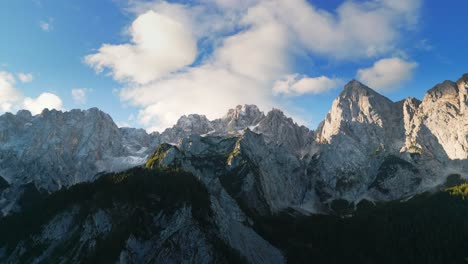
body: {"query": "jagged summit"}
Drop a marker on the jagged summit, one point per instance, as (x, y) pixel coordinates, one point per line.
(463, 79)
(276, 127)
(447, 89)
(56, 149)
(193, 122)
(24, 114)
(356, 86)
(51, 113)
(277, 112)
(243, 110)
(354, 90)
(357, 111)
(239, 118)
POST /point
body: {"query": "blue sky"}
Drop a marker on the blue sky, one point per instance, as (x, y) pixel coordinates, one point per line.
(219, 54)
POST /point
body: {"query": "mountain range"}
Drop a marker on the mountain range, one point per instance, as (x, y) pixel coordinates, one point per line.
(74, 187)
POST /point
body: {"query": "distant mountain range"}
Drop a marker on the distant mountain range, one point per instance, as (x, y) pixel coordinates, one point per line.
(76, 188)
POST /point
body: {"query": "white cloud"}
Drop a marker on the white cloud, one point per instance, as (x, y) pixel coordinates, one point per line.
(160, 45)
(296, 85)
(387, 74)
(9, 96)
(250, 53)
(46, 26)
(356, 30)
(80, 95)
(195, 91)
(25, 77)
(45, 100)
(244, 47)
(11, 99)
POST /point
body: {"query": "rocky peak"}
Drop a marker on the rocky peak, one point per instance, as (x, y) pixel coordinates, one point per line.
(279, 129)
(194, 123)
(233, 123)
(355, 108)
(240, 118)
(463, 80)
(24, 114)
(445, 91)
(55, 148)
(187, 125)
(443, 107)
(243, 111)
(275, 117)
(276, 113)
(138, 140)
(355, 89)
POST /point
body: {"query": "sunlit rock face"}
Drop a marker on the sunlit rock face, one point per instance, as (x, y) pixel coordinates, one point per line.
(361, 128)
(361, 113)
(440, 126)
(364, 132)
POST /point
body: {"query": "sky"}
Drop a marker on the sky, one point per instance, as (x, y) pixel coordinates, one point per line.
(146, 63)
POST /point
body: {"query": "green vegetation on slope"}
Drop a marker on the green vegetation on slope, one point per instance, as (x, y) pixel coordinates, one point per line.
(460, 190)
(155, 159)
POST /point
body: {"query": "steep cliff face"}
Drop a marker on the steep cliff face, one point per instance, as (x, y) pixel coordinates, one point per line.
(186, 126)
(374, 148)
(281, 130)
(57, 149)
(440, 126)
(361, 129)
(207, 158)
(364, 116)
(261, 177)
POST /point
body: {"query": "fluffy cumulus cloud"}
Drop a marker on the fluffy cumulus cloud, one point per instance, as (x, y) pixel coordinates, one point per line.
(296, 85)
(80, 95)
(25, 77)
(193, 92)
(160, 45)
(45, 100)
(212, 54)
(387, 74)
(11, 99)
(356, 30)
(9, 95)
